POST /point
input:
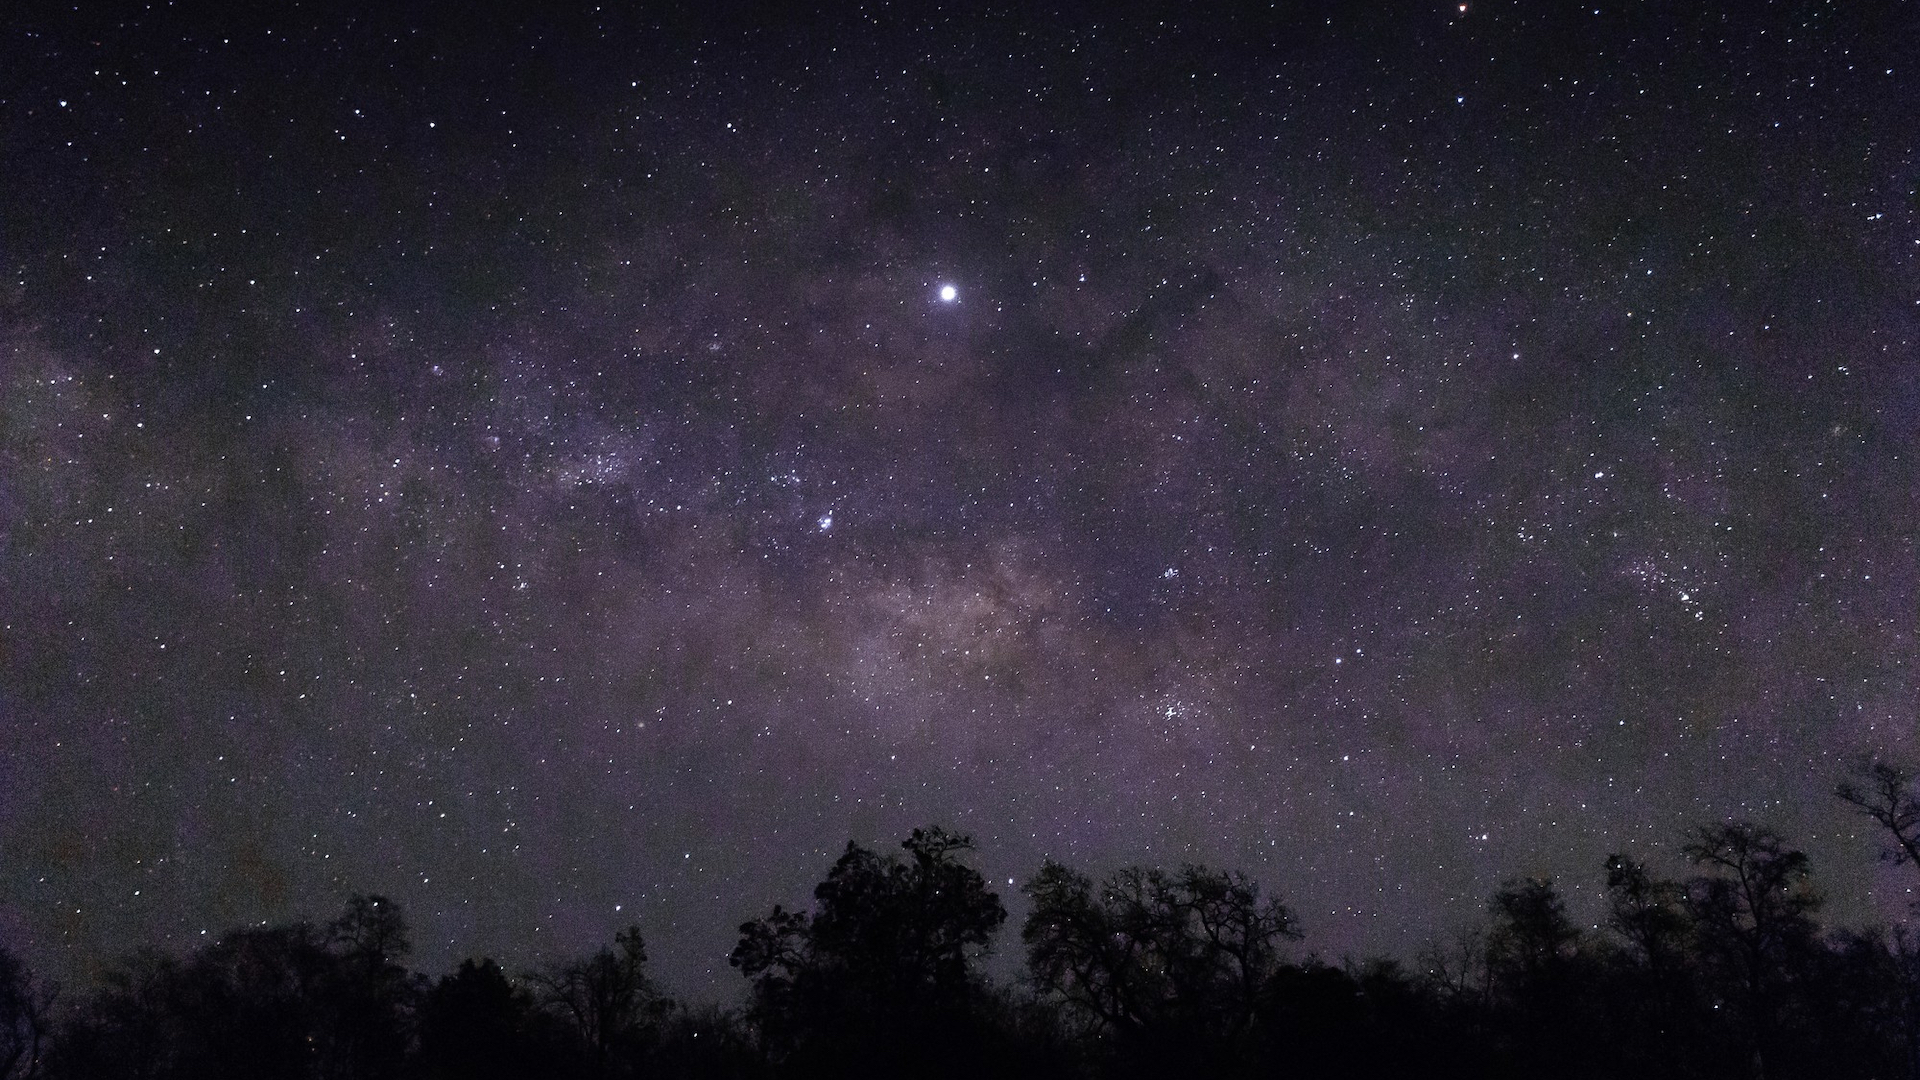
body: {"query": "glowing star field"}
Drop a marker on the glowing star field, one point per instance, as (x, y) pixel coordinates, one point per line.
(561, 471)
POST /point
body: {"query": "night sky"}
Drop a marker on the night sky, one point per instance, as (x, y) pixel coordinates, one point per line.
(570, 470)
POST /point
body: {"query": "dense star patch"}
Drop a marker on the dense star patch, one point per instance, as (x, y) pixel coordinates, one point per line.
(565, 472)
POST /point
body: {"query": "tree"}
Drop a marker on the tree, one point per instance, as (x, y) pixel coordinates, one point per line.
(885, 960)
(1648, 913)
(286, 1001)
(371, 935)
(1758, 893)
(606, 999)
(1456, 970)
(775, 954)
(912, 928)
(1650, 985)
(251, 1005)
(1541, 976)
(1170, 958)
(26, 1006)
(1885, 793)
(474, 1025)
(127, 1028)
(1753, 917)
(1532, 938)
(705, 1042)
(367, 992)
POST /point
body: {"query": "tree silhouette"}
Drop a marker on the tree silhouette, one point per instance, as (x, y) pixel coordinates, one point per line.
(251, 1005)
(1725, 977)
(886, 959)
(1319, 1022)
(1885, 793)
(1532, 937)
(1541, 974)
(911, 927)
(1649, 914)
(1753, 917)
(1167, 963)
(476, 1025)
(705, 1042)
(367, 992)
(606, 999)
(1651, 984)
(26, 1007)
(293, 1000)
(127, 1027)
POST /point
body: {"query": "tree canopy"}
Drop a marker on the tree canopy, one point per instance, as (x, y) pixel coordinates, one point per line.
(1725, 974)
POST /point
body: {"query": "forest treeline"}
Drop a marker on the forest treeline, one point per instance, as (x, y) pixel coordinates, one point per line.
(1149, 972)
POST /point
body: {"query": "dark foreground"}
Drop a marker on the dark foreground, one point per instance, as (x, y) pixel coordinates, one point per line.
(1150, 973)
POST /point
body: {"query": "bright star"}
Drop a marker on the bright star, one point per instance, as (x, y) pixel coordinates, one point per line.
(948, 294)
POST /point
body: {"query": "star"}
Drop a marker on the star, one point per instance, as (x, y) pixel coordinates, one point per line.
(520, 486)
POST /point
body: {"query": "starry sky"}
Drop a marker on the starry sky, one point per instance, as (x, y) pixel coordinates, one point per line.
(574, 469)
